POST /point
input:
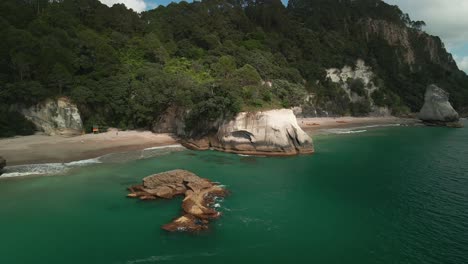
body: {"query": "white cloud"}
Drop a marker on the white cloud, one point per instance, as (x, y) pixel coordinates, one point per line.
(136, 5)
(462, 63)
(447, 19)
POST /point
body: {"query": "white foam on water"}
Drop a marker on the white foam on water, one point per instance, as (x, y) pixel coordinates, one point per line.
(45, 169)
(357, 130)
(381, 125)
(83, 162)
(344, 131)
(164, 147)
(33, 169)
(255, 156)
(57, 168)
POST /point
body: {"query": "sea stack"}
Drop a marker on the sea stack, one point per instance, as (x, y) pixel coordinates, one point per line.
(270, 133)
(437, 110)
(2, 164)
(199, 202)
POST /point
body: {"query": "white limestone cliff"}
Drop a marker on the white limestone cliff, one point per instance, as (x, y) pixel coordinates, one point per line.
(55, 117)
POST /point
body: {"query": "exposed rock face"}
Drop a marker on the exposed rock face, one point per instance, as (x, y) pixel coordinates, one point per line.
(363, 73)
(200, 196)
(2, 164)
(56, 117)
(393, 34)
(172, 121)
(399, 36)
(360, 72)
(437, 108)
(274, 132)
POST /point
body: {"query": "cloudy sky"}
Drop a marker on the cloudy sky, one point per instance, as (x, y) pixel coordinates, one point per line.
(447, 20)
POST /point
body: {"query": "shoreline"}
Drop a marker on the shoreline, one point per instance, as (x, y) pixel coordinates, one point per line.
(42, 149)
(319, 125)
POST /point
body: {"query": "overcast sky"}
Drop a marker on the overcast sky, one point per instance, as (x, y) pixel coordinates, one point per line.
(447, 19)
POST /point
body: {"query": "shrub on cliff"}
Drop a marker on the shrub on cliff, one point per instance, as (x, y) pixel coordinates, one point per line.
(13, 123)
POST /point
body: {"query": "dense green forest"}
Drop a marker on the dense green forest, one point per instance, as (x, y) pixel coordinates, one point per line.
(211, 57)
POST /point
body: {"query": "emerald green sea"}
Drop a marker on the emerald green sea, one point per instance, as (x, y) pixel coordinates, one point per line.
(386, 195)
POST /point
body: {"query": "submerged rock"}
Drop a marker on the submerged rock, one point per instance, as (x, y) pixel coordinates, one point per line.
(200, 196)
(56, 117)
(2, 164)
(437, 109)
(274, 132)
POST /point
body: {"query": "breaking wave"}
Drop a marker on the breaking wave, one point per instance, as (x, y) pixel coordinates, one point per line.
(58, 168)
(45, 169)
(345, 131)
(357, 130)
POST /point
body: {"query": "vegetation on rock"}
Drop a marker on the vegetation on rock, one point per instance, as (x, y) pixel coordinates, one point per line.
(125, 69)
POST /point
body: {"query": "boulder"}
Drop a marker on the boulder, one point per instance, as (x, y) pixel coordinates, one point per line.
(2, 164)
(273, 133)
(56, 117)
(198, 204)
(437, 109)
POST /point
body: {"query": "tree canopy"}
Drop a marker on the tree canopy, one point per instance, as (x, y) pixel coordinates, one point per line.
(125, 69)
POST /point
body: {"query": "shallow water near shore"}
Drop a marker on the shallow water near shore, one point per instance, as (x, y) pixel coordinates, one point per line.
(385, 195)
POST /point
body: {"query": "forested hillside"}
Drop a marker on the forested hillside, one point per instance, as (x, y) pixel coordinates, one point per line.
(213, 58)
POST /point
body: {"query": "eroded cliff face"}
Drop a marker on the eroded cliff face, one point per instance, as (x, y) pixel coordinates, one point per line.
(274, 132)
(56, 117)
(172, 121)
(364, 74)
(360, 72)
(393, 34)
(410, 42)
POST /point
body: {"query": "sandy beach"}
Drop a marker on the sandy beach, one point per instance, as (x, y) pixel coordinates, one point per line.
(37, 149)
(47, 149)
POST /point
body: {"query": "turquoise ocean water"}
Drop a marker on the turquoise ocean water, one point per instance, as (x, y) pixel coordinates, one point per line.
(386, 195)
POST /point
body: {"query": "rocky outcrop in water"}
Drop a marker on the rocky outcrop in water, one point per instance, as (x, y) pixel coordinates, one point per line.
(56, 117)
(437, 109)
(273, 133)
(198, 204)
(2, 164)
